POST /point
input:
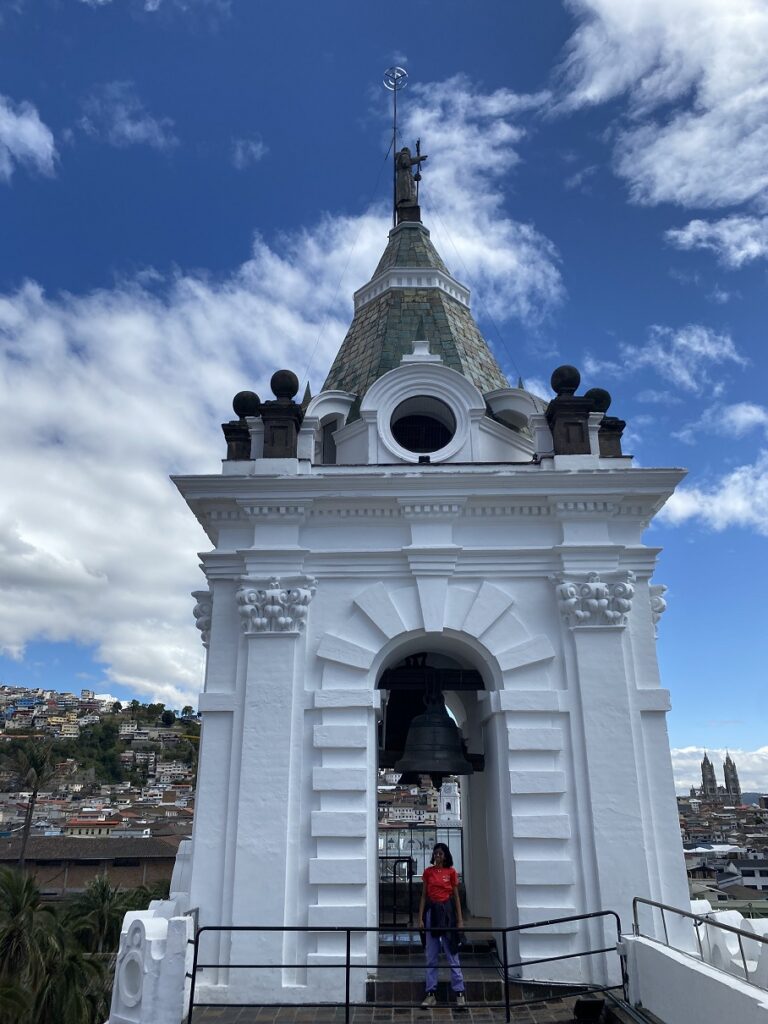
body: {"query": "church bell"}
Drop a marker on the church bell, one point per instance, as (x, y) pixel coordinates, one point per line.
(434, 744)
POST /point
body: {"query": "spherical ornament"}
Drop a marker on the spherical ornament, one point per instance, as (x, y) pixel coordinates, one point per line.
(246, 403)
(600, 398)
(284, 384)
(565, 380)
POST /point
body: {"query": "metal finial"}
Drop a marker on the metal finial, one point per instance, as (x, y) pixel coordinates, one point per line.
(395, 79)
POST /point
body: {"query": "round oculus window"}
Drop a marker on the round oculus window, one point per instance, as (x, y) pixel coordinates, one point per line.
(423, 424)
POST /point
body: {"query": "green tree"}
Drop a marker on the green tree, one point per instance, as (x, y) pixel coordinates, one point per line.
(96, 915)
(31, 765)
(73, 990)
(27, 930)
(168, 718)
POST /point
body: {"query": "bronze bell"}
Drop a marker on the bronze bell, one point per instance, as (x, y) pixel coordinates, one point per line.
(434, 744)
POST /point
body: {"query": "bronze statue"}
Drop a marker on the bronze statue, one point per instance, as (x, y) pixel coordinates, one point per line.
(405, 187)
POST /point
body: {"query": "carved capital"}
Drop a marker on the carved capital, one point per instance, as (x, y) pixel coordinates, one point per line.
(274, 605)
(658, 604)
(594, 601)
(202, 612)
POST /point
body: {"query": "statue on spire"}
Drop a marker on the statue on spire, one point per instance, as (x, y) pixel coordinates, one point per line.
(406, 194)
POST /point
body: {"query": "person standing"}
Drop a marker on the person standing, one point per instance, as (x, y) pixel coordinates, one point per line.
(440, 915)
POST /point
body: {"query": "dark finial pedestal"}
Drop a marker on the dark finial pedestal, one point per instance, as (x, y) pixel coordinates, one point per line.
(568, 415)
(282, 417)
(236, 432)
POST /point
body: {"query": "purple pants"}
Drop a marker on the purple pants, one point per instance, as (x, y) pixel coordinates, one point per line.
(434, 945)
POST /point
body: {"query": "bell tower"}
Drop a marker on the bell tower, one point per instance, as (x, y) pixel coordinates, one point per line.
(422, 527)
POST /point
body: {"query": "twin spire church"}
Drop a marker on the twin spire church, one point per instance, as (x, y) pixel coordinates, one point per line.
(419, 531)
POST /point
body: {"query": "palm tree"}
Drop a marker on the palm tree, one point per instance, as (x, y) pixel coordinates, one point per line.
(96, 915)
(32, 765)
(28, 937)
(14, 1003)
(73, 990)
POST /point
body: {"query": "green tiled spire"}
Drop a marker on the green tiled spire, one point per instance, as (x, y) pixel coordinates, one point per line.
(398, 307)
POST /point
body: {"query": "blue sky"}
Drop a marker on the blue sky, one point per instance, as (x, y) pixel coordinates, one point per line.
(191, 191)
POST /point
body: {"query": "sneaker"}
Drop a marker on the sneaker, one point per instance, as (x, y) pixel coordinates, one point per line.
(461, 1001)
(429, 1000)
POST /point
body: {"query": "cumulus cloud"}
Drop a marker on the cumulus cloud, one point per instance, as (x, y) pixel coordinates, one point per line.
(103, 394)
(114, 112)
(682, 356)
(24, 139)
(752, 766)
(248, 151)
(511, 265)
(738, 498)
(735, 240)
(694, 76)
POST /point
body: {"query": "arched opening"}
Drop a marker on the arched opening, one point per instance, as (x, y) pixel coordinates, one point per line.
(408, 810)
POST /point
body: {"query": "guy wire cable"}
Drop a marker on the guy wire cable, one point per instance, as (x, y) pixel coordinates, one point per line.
(537, 399)
(346, 266)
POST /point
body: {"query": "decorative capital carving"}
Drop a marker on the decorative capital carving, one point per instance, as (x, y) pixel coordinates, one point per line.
(594, 601)
(202, 612)
(658, 604)
(275, 605)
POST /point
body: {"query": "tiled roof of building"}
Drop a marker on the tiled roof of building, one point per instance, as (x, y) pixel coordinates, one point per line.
(383, 329)
(42, 848)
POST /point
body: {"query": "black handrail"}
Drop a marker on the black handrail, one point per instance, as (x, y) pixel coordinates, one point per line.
(348, 965)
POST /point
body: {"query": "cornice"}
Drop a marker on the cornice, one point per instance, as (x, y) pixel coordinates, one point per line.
(412, 277)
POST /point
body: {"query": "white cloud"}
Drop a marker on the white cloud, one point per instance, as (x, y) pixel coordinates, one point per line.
(102, 395)
(735, 240)
(683, 356)
(24, 139)
(656, 397)
(695, 79)
(739, 498)
(727, 420)
(248, 151)
(742, 417)
(473, 142)
(752, 766)
(115, 112)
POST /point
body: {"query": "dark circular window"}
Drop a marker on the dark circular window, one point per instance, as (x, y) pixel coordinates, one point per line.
(423, 424)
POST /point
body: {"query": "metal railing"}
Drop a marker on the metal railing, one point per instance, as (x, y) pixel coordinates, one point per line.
(396, 877)
(699, 920)
(348, 966)
(417, 841)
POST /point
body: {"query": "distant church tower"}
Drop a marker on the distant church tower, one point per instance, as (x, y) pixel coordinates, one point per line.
(449, 804)
(732, 787)
(420, 530)
(708, 779)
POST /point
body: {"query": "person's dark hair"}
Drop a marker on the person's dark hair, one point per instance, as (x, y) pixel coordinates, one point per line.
(447, 858)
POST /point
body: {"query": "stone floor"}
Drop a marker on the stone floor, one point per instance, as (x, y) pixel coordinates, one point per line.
(556, 1011)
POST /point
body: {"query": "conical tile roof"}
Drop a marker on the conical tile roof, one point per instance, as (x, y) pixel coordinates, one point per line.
(411, 291)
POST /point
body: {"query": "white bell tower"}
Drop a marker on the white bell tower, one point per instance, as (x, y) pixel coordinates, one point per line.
(420, 512)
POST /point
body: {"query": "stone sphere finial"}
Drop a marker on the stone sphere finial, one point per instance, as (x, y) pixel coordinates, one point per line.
(284, 384)
(600, 398)
(565, 380)
(246, 403)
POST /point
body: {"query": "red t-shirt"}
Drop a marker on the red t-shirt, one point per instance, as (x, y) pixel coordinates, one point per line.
(439, 883)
